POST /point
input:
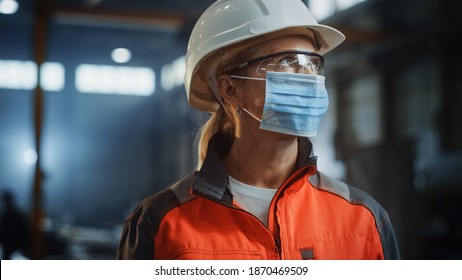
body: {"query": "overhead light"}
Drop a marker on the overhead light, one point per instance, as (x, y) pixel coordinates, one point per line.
(18, 74)
(52, 76)
(172, 75)
(322, 9)
(107, 79)
(121, 55)
(8, 7)
(22, 75)
(30, 157)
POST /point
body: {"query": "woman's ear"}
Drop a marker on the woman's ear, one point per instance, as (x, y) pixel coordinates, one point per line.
(227, 87)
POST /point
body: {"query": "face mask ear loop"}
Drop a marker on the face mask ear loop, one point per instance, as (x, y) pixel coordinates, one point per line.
(244, 109)
(250, 114)
(247, 78)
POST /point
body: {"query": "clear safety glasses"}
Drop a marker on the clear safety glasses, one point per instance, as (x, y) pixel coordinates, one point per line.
(290, 61)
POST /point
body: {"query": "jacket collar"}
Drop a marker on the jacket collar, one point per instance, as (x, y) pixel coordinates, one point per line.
(212, 179)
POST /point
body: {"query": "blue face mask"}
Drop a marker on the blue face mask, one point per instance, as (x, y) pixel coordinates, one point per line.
(294, 103)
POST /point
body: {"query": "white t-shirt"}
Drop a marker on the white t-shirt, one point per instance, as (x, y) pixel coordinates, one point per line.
(253, 199)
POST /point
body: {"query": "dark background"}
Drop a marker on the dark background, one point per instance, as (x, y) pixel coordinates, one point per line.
(393, 127)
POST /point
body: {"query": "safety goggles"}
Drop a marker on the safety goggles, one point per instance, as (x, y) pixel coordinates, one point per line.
(289, 61)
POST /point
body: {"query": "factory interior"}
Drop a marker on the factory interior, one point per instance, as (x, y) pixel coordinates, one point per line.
(94, 115)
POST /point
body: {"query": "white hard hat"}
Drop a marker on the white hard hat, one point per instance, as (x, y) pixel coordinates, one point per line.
(227, 22)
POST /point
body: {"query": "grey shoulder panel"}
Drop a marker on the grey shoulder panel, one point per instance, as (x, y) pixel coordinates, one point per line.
(155, 207)
(324, 182)
(359, 197)
(137, 240)
(350, 194)
(182, 188)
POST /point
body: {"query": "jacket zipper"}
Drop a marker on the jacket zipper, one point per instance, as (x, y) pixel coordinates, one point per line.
(276, 239)
(277, 228)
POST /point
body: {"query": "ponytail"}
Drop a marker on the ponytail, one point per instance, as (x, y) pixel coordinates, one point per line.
(221, 120)
(225, 118)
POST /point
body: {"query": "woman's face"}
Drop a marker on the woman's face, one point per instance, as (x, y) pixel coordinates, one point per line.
(253, 91)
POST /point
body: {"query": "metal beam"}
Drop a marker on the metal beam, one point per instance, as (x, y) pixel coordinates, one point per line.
(37, 239)
(125, 19)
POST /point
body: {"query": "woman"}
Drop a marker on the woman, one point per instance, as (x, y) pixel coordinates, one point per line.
(258, 66)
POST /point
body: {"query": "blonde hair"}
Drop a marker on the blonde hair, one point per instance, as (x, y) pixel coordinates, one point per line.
(220, 120)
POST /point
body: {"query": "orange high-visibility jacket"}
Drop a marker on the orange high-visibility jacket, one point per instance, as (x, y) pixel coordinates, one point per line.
(311, 216)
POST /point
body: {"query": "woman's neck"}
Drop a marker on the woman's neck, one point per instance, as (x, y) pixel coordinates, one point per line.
(265, 159)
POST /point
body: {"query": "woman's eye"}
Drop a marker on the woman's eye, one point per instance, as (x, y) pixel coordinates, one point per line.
(284, 63)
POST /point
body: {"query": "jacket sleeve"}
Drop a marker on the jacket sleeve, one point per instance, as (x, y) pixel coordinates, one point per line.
(138, 235)
(136, 242)
(389, 242)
